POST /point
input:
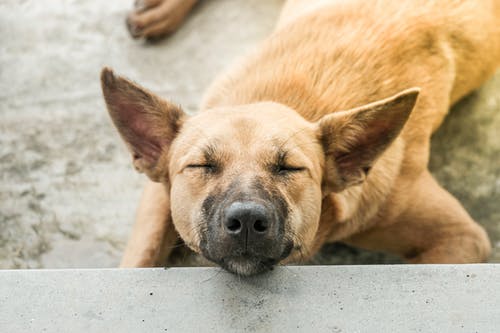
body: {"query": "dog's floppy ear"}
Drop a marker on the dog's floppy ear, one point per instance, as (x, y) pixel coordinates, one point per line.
(352, 140)
(147, 123)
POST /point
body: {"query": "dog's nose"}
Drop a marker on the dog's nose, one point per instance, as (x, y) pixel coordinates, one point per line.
(243, 217)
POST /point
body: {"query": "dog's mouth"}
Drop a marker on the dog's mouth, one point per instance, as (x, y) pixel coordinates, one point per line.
(246, 263)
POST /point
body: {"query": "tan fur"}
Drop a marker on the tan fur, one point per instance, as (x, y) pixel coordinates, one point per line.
(327, 56)
(152, 19)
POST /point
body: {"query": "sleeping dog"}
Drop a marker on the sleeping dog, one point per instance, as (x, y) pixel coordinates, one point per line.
(321, 134)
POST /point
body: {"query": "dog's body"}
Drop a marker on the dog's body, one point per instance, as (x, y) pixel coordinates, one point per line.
(327, 56)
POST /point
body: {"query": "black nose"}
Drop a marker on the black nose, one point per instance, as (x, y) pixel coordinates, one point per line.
(242, 217)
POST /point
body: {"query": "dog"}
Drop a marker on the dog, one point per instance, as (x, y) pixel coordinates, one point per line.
(322, 134)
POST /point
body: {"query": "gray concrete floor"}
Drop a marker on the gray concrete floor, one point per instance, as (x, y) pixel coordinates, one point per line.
(67, 188)
(334, 299)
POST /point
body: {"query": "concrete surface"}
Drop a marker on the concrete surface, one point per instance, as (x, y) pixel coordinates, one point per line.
(391, 298)
(67, 188)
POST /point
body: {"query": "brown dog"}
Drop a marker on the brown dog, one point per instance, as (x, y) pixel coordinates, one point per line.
(272, 168)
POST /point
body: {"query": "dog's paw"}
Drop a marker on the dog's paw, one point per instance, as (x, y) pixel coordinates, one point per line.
(152, 19)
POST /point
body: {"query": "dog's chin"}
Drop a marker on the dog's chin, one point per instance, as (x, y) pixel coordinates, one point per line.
(246, 263)
(247, 266)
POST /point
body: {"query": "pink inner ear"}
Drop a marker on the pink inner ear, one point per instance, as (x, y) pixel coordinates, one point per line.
(137, 130)
(377, 133)
(366, 145)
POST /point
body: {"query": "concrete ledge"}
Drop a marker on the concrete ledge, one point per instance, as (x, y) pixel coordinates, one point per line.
(399, 298)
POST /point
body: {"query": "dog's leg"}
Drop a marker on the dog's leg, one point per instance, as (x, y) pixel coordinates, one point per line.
(156, 18)
(434, 228)
(153, 236)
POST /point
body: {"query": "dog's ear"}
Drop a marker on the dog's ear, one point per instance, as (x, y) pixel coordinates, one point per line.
(352, 140)
(147, 123)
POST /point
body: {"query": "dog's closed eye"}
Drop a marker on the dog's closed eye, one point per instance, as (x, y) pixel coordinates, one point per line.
(205, 167)
(285, 169)
(200, 166)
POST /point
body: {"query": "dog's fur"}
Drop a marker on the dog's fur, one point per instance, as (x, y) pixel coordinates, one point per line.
(363, 177)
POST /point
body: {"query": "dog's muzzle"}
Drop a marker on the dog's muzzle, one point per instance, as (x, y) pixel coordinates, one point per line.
(246, 237)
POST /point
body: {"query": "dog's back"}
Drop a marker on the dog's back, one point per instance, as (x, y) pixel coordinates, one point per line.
(333, 55)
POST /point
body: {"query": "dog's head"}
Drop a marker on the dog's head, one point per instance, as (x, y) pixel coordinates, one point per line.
(246, 182)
